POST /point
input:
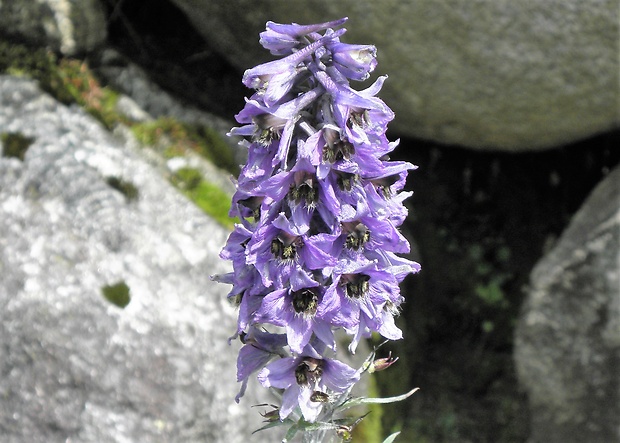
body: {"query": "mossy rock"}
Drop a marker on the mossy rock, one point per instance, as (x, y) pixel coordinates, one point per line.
(67, 80)
(71, 81)
(176, 138)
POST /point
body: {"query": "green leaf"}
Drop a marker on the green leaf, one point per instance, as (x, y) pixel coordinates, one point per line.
(363, 400)
(349, 421)
(391, 438)
(276, 423)
(316, 426)
(290, 434)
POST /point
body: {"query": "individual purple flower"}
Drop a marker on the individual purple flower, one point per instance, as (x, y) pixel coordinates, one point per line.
(369, 117)
(363, 231)
(301, 312)
(259, 348)
(302, 378)
(235, 247)
(299, 186)
(399, 267)
(280, 251)
(344, 188)
(354, 61)
(258, 166)
(276, 122)
(357, 298)
(347, 100)
(384, 198)
(302, 191)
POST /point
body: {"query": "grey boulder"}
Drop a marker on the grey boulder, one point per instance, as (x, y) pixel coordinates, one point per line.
(75, 367)
(504, 75)
(68, 26)
(567, 343)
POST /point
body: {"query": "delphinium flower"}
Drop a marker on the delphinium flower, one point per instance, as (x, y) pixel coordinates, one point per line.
(320, 203)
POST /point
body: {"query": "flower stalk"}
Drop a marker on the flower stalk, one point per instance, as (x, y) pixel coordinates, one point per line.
(317, 249)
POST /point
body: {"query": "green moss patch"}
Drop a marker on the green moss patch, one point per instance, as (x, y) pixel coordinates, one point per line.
(84, 88)
(176, 139)
(117, 294)
(207, 196)
(68, 80)
(15, 144)
(126, 188)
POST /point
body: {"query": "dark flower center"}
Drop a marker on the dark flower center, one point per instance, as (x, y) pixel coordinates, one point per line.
(305, 301)
(285, 246)
(391, 308)
(346, 180)
(306, 190)
(342, 149)
(235, 300)
(308, 371)
(358, 235)
(253, 204)
(357, 285)
(360, 118)
(336, 148)
(261, 82)
(268, 128)
(383, 184)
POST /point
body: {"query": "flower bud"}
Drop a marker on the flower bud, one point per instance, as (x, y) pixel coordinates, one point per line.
(354, 61)
(382, 364)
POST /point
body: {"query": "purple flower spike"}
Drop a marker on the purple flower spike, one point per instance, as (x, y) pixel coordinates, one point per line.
(320, 204)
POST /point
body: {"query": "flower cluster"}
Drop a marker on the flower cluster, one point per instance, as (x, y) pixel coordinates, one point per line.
(320, 203)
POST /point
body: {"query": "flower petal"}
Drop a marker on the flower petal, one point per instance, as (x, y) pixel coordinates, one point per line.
(298, 332)
(290, 400)
(309, 409)
(339, 376)
(279, 373)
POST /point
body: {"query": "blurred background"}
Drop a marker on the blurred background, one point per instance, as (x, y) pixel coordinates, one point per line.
(511, 111)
